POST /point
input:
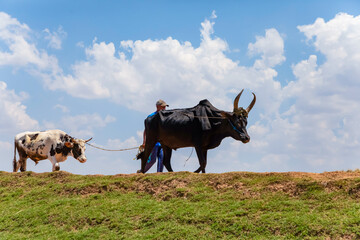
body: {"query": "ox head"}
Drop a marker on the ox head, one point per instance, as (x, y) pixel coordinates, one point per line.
(78, 148)
(238, 119)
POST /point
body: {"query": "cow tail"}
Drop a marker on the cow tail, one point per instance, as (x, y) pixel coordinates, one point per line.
(14, 161)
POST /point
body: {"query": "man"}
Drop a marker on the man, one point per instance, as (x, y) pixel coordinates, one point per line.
(157, 150)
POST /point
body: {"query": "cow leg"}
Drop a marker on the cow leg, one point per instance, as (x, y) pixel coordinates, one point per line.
(57, 167)
(167, 156)
(15, 163)
(55, 164)
(22, 160)
(15, 166)
(202, 159)
(22, 164)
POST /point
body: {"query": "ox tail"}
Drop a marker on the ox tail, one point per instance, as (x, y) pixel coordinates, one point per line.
(15, 164)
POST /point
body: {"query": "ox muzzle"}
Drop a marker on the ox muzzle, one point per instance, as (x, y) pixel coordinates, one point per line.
(82, 159)
(245, 138)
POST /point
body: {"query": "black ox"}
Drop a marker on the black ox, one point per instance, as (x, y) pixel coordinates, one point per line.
(202, 127)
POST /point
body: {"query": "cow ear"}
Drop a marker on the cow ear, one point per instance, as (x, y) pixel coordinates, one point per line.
(69, 145)
(226, 114)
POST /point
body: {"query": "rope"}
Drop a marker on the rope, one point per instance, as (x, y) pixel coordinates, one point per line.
(110, 150)
(206, 117)
(126, 149)
(192, 149)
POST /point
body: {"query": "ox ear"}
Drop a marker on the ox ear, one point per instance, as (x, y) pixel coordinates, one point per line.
(69, 144)
(27, 139)
(88, 140)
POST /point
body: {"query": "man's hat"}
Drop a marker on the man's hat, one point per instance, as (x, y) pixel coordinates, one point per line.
(162, 103)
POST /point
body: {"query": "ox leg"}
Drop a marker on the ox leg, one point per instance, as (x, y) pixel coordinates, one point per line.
(205, 160)
(148, 149)
(167, 156)
(202, 159)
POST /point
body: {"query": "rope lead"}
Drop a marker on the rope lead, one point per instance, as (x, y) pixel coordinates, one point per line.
(111, 150)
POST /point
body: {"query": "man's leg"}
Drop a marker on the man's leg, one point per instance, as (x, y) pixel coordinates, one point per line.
(160, 155)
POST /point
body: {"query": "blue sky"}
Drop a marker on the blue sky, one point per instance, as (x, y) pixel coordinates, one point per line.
(95, 69)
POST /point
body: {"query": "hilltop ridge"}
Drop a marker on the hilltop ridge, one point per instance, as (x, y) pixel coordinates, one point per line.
(180, 205)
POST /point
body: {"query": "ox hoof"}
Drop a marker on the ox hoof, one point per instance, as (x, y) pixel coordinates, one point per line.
(57, 168)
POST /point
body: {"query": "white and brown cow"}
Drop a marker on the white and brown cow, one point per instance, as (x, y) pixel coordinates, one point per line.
(54, 145)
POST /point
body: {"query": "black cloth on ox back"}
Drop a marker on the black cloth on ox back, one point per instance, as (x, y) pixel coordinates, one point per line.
(205, 113)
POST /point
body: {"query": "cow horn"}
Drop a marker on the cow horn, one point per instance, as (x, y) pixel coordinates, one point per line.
(236, 101)
(88, 140)
(248, 109)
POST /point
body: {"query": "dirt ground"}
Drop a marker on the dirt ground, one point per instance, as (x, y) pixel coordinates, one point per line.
(185, 184)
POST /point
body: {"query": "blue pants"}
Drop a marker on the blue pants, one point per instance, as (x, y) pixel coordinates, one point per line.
(156, 152)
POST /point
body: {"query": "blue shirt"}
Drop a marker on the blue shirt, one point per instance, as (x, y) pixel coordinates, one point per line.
(152, 114)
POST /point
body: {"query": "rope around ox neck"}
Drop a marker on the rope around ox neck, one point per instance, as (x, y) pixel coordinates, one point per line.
(111, 150)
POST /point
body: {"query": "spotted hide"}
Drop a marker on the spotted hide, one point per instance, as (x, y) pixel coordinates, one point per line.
(54, 145)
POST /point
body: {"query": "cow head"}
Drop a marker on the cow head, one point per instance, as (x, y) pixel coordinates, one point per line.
(78, 148)
(238, 119)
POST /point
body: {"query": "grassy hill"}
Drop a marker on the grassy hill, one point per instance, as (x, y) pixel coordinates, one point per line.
(183, 205)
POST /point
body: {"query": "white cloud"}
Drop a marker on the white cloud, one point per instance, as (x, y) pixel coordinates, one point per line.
(271, 48)
(337, 38)
(63, 108)
(177, 72)
(128, 143)
(55, 38)
(13, 117)
(20, 51)
(213, 15)
(320, 128)
(80, 44)
(81, 126)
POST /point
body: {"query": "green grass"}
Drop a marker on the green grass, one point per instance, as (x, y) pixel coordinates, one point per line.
(179, 206)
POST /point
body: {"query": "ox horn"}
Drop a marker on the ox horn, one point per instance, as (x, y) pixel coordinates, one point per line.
(88, 140)
(248, 109)
(236, 101)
